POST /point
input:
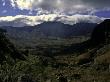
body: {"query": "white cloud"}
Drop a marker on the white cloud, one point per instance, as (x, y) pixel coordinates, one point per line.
(12, 2)
(4, 3)
(4, 11)
(62, 6)
(22, 20)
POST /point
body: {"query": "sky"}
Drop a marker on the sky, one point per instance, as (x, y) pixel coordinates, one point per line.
(99, 8)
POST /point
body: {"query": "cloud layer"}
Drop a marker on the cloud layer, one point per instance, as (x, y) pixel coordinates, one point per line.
(23, 20)
(61, 6)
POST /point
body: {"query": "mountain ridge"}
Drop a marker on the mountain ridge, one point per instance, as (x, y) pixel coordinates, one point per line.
(53, 29)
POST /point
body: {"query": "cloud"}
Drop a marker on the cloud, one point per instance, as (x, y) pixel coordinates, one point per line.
(23, 20)
(4, 11)
(3, 3)
(62, 6)
(98, 3)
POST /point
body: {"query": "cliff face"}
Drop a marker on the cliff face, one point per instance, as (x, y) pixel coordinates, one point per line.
(101, 33)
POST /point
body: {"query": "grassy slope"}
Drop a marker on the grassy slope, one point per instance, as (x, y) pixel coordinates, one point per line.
(42, 68)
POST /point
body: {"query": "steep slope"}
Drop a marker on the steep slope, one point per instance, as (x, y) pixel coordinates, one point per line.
(99, 37)
(101, 33)
(99, 45)
(7, 49)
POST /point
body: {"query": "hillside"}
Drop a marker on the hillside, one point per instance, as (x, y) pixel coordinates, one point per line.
(7, 49)
(86, 61)
(53, 29)
(50, 31)
(101, 33)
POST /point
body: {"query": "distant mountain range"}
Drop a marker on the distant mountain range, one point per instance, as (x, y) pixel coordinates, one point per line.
(51, 29)
(51, 25)
(30, 29)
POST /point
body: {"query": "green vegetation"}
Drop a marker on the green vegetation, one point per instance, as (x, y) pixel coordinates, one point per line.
(49, 69)
(85, 61)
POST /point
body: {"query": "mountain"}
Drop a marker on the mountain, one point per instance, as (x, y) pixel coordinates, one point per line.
(101, 33)
(23, 20)
(28, 29)
(51, 29)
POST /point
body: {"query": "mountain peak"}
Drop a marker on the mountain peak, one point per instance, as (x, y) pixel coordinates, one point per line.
(107, 20)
